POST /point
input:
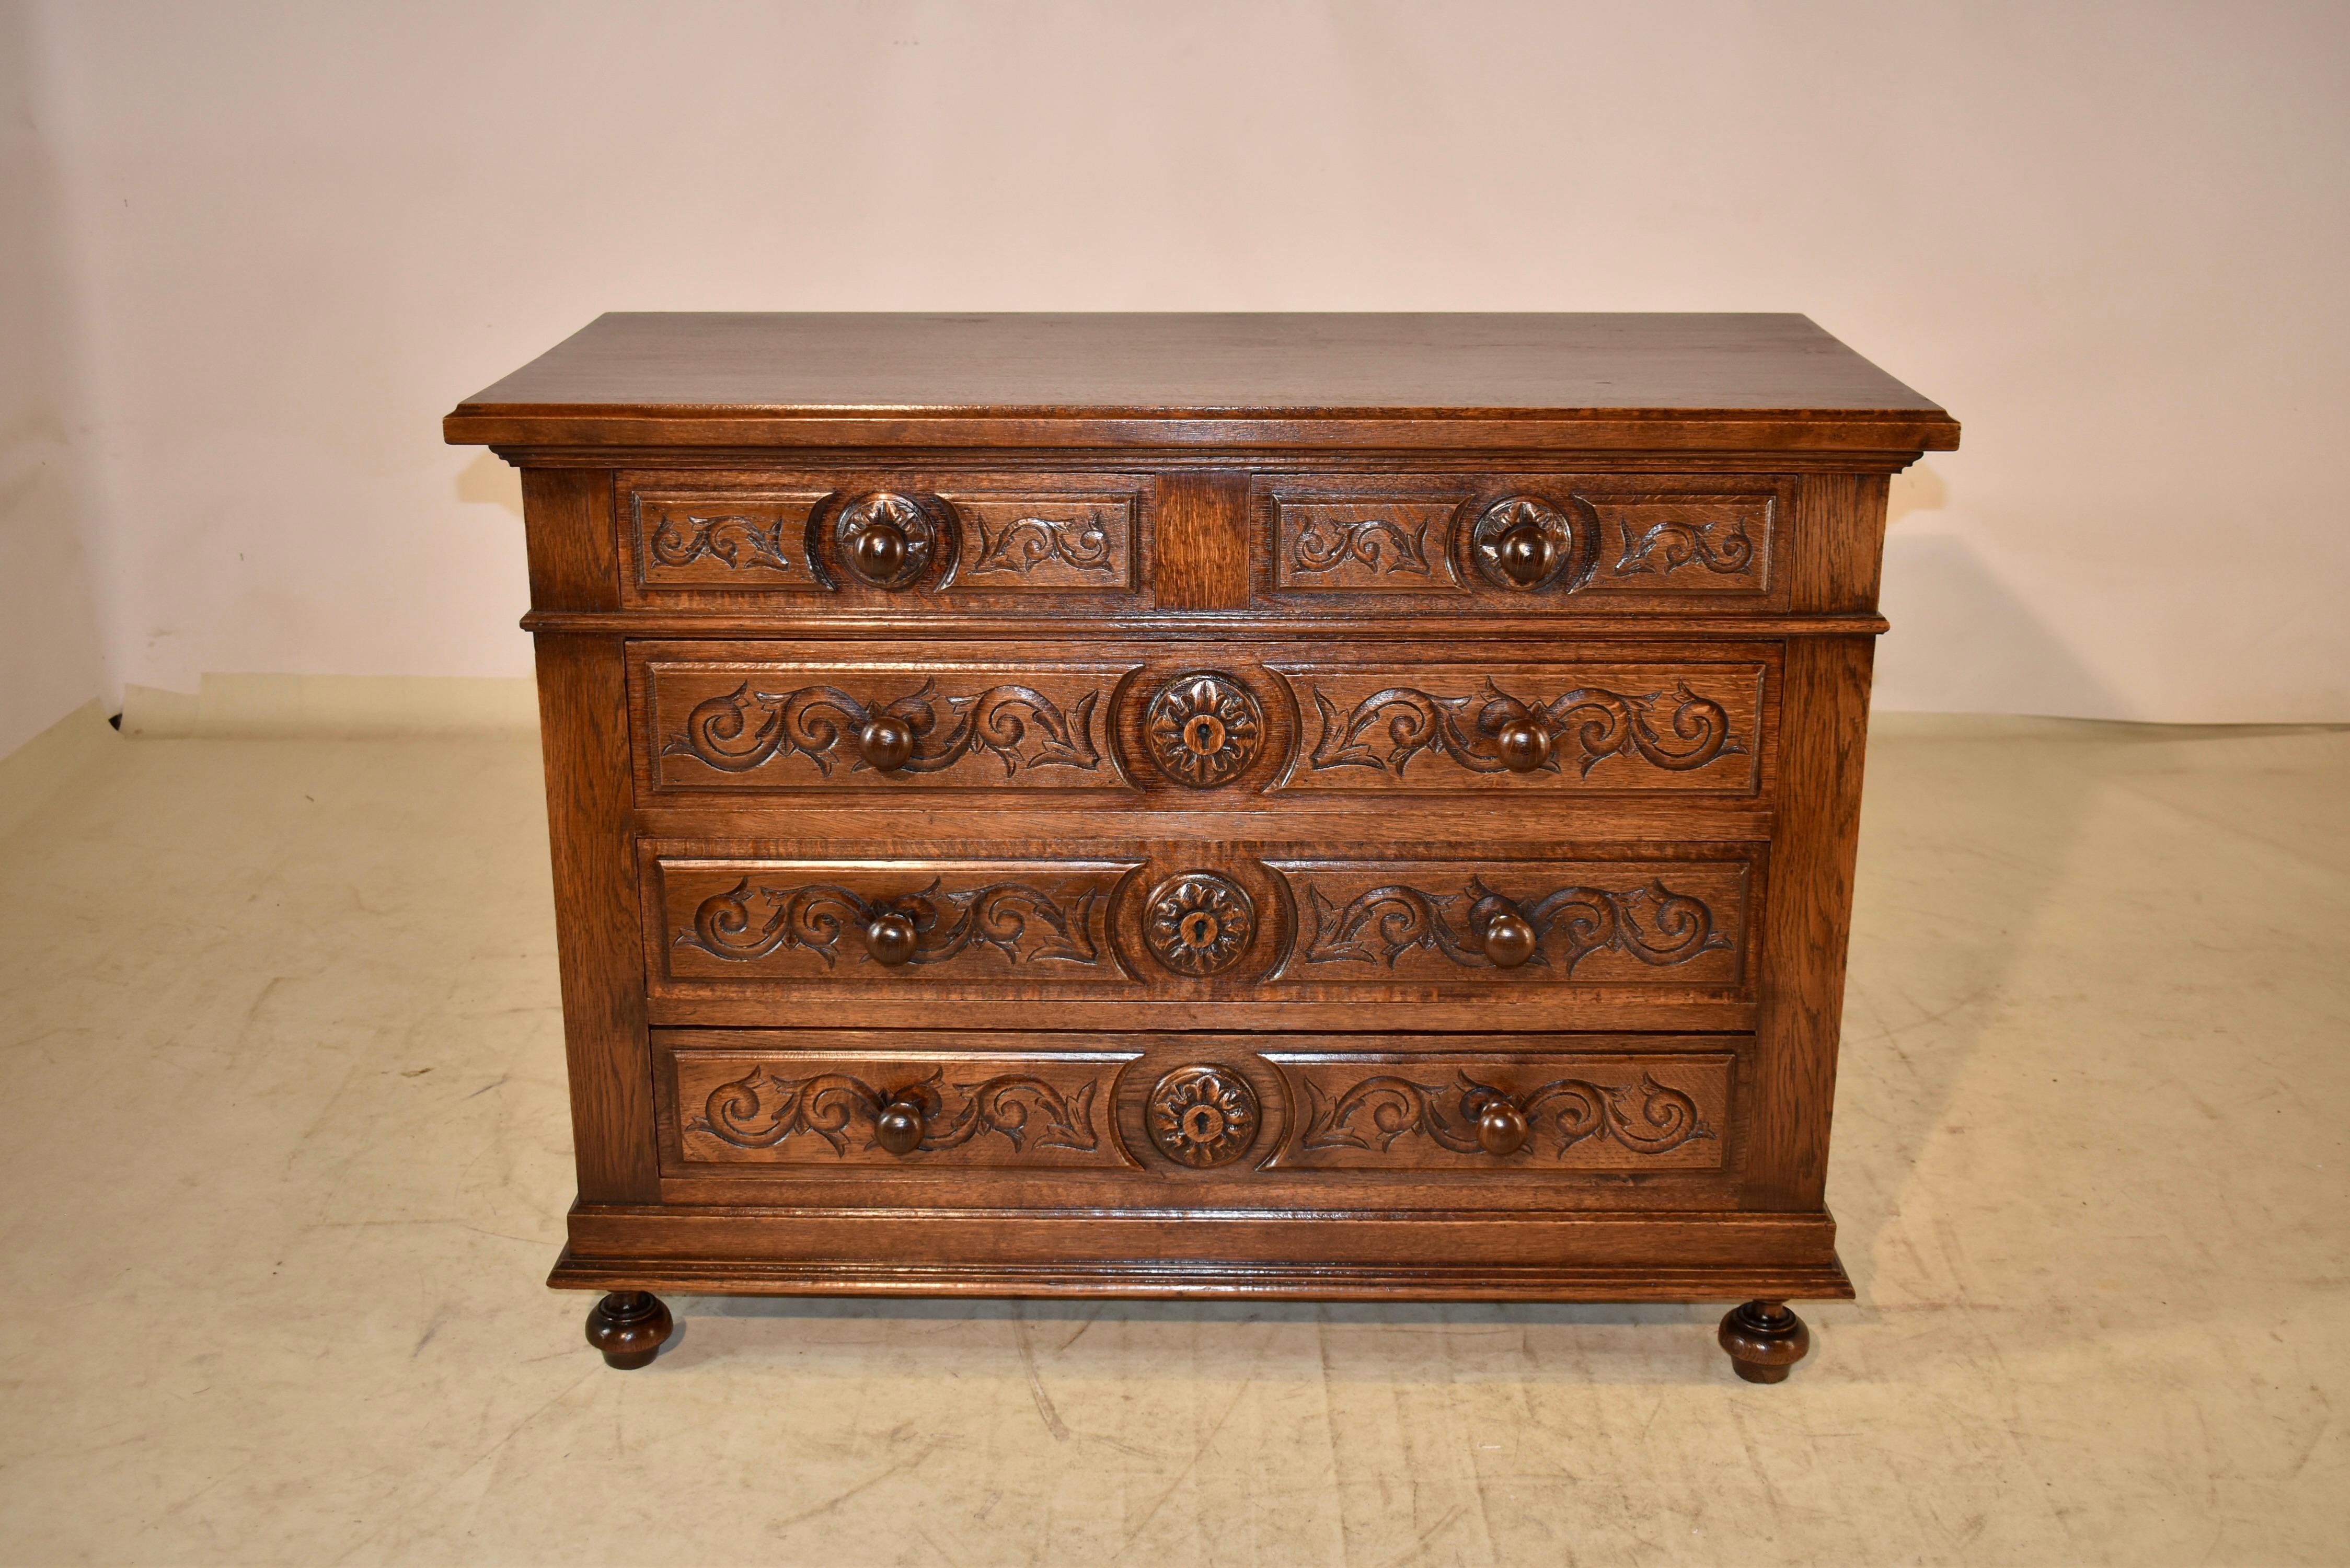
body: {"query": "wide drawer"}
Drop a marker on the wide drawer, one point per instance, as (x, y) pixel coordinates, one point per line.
(766, 540)
(1161, 1116)
(1524, 543)
(1177, 726)
(1570, 937)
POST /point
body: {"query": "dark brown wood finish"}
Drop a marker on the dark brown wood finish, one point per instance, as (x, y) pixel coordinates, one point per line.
(1017, 782)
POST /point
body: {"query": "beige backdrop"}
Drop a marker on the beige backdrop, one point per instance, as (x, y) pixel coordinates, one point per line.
(254, 251)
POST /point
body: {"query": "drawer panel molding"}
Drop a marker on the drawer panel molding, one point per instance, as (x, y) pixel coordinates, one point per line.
(1561, 919)
(927, 730)
(1427, 1113)
(829, 1109)
(787, 921)
(1497, 731)
(1535, 542)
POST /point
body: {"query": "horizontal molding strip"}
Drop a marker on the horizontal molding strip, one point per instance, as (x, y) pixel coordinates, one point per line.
(806, 621)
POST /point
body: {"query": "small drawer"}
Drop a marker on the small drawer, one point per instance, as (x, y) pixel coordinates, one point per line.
(1527, 544)
(1170, 728)
(763, 540)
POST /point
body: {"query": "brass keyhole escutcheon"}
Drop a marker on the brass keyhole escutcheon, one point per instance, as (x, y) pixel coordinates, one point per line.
(1203, 1116)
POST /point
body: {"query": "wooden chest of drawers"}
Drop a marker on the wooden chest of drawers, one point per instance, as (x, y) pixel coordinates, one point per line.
(1287, 806)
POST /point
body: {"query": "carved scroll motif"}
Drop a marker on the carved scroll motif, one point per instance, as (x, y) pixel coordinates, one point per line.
(1666, 546)
(1024, 543)
(1377, 1111)
(736, 542)
(765, 1110)
(1018, 725)
(1021, 924)
(1653, 924)
(1385, 547)
(1388, 728)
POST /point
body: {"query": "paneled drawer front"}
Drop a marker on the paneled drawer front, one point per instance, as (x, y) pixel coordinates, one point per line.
(1385, 1110)
(1173, 728)
(735, 538)
(1194, 921)
(1529, 543)
(904, 1110)
(789, 719)
(1171, 1117)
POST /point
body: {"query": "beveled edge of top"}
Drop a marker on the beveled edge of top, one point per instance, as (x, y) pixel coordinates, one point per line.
(1271, 382)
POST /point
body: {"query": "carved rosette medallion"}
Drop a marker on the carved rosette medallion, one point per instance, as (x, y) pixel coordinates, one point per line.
(1198, 923)
(1203, 1116)
(1203, 729)
(889, 541)
(1526, 545)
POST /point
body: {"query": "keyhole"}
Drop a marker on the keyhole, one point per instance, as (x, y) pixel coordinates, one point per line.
(1203, 1123)
(1203, 734)
(1199, 928)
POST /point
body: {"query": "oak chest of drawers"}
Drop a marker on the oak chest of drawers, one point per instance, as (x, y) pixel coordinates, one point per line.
(1287, 805)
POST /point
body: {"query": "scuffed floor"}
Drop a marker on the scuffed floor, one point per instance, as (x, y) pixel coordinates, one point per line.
(285, 1160)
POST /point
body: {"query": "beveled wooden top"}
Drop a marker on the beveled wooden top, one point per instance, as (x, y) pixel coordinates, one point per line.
(1671, 381)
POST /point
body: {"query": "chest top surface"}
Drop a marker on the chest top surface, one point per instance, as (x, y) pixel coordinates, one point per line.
(1735, 382)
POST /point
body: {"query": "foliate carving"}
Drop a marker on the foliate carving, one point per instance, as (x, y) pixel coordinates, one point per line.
(1020, 923)
(1024, 544)
(1653, 924)
(1018, 725)
(1198, 923)
(1499, 544)
(1377, 1112)
(1383, 546)
(763, 1109)
(1718, 545)
(1388, 728)
(1203, 729)
(890, 540)
(733, 541)
(1203, 1116)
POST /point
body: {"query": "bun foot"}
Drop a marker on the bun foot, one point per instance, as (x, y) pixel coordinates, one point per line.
(629, 1327)
(1765, 1340)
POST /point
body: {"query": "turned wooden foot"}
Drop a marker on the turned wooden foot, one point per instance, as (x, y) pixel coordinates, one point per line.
(629, 1327)
(1765, 1340)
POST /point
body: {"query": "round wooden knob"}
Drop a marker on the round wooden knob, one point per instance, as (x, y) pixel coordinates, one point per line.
(1501, 1128)
(1509, 940)
(899, 1128)
(891, 939)
(880, 552)
(1523, 745)
(1524, 554)
(886, 744)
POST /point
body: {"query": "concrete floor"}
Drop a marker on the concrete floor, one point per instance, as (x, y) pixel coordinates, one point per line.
(282, 1135)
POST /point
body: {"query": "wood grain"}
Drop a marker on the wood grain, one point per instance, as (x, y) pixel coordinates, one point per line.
(1203, 541)
(1332, 807)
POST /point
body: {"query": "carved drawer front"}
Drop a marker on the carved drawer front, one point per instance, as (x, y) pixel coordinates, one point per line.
(1532, 543)
(733, 538)
(1405, 724)
(1521, 1112)
(785, 719)
(889, 923)
(1681, 923)
(1145, 921)
(876, 719)
(896, 1110)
